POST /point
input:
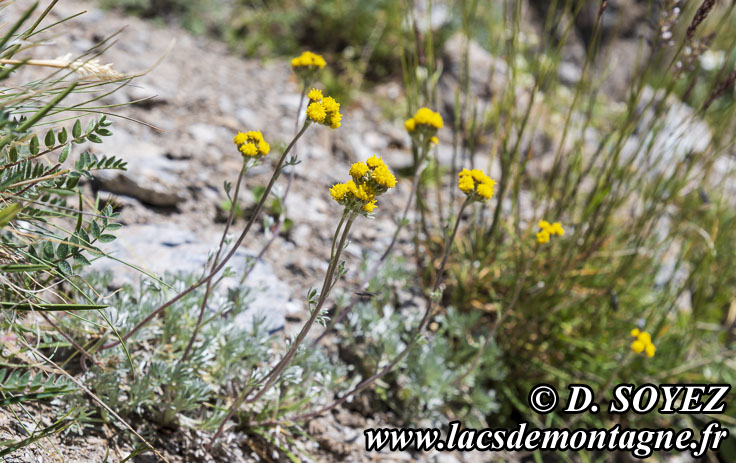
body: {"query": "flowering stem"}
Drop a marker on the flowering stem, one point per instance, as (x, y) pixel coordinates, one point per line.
(301, 104)
(276, 229)
(227, 257)
(326, 286)
(415, 336)
(334, 237)
(233, 205)
(276, 371)
(374, 270)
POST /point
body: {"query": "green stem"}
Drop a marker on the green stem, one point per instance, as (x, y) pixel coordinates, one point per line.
(418, 162)
(276, 371)
(415, 335)
(231, 216)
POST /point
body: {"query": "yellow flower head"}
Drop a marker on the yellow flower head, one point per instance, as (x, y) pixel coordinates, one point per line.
(255, 135)
(358, 170)
(249, 149)
(550, 229)
(323, 110)
(364, 193)
(251, 144)
(642, 343)
(308, 60)
(240, 138)
(264, 147)
(316, 112)
(466, 184)
(542, 237)
(557, 229)
(335, 121)
(479, 176)
(429, 118)
(368, 207)
(383, 176)
(475, 184)
(638, 346)
(370, 179)
(374, 161)
(485, 190)
(338, 191)
(341, 190)
(315, 95)
(331, 106)
(424, 125)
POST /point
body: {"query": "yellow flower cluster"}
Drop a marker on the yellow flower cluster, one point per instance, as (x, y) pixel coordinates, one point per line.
(424, 117)
(369, 180)
(308, 60)
(425, 123)
(323, 109)
(547, 230)
(315, 95)
(251, 144)
(475, 184)
(642, 343)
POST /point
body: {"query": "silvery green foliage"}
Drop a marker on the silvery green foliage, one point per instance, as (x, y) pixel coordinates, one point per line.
(431, 381)
(155, 385)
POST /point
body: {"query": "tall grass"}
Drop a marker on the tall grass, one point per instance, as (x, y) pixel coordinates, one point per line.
(641, 186)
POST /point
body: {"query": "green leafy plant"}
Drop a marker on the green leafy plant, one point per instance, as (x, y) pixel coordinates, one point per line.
(49, 230)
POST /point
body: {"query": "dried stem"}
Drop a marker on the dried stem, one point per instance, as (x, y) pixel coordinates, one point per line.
(700, 15)
(89, 68)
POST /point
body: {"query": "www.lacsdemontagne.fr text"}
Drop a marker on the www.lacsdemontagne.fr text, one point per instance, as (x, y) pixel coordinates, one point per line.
(640, 442)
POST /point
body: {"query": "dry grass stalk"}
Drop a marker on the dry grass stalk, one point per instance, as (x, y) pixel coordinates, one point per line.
(699, 17)
(86, 68)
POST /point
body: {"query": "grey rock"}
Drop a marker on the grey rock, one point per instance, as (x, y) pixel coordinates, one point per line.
(207, 133)
(247, 117)
(151, 95)
(398, 159)
(151, 177)
(301, 235)
(672, 135)
(161, 248)
(144, 186)
(481, 64)
(439, 16)
(569, 73)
